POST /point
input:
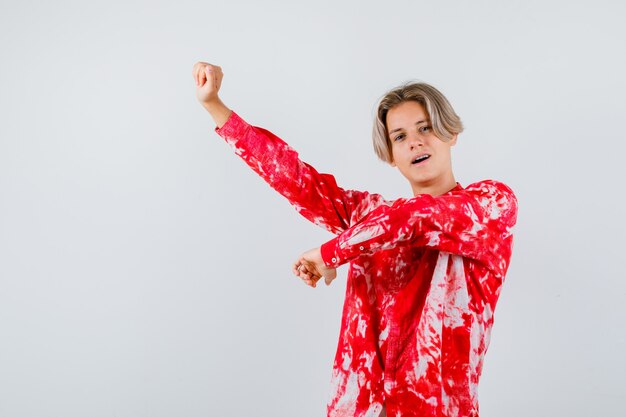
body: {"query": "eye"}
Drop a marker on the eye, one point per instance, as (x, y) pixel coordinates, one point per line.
(399, 137)
(425, 129)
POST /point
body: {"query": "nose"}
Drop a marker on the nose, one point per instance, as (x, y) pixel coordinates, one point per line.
(414, 141)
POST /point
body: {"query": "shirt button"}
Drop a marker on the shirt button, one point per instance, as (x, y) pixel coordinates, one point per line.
(361, 247)
(334, 260)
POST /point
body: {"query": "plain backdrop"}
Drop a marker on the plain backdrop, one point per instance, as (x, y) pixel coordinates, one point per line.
(145, 271)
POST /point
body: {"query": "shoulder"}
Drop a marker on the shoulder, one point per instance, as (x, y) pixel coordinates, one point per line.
(497, 198)
(492, 189)
(486, 187)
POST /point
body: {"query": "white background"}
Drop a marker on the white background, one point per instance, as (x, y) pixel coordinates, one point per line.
(145, 270)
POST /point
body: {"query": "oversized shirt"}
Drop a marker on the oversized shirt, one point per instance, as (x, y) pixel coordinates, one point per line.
(424, 278)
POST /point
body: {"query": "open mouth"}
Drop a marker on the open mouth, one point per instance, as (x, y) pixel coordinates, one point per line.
(420, 159)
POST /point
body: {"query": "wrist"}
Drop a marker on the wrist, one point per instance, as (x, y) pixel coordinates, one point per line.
(213, 105)
(218, 111)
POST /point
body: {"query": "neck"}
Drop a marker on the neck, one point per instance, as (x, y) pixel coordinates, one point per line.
(435, 188)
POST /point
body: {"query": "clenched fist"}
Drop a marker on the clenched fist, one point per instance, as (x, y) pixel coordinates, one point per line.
(311, 268)
(208, 80)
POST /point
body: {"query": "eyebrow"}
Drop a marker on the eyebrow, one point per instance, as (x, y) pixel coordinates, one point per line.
(416, 123)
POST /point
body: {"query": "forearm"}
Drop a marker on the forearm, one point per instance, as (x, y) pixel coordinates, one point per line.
(473, 223)
(316, 196)
(393, 226)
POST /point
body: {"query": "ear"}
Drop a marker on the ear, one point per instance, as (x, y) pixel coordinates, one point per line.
(452, 141)
(392, 163)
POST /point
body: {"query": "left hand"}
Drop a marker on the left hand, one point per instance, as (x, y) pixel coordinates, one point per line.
(311, 268)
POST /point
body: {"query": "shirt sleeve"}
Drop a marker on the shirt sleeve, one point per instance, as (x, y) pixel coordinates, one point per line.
(315, 196)
(475, 222)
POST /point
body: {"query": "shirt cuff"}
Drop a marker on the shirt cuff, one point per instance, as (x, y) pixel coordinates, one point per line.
(329, 253)
(233, 128)
(335, 254)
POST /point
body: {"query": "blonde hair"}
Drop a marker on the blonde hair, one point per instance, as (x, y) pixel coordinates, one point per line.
(444, 121)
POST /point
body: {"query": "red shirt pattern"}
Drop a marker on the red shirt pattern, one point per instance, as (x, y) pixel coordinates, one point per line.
(424, 278)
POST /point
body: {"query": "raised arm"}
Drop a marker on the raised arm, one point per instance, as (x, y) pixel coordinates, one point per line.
(475, 222)
(316, 196)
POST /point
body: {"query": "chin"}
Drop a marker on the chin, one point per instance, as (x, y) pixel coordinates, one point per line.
(422, 181)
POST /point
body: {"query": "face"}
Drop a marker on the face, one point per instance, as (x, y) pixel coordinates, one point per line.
(421, 157)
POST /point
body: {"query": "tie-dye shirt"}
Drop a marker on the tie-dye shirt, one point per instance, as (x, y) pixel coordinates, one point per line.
(424, 278)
